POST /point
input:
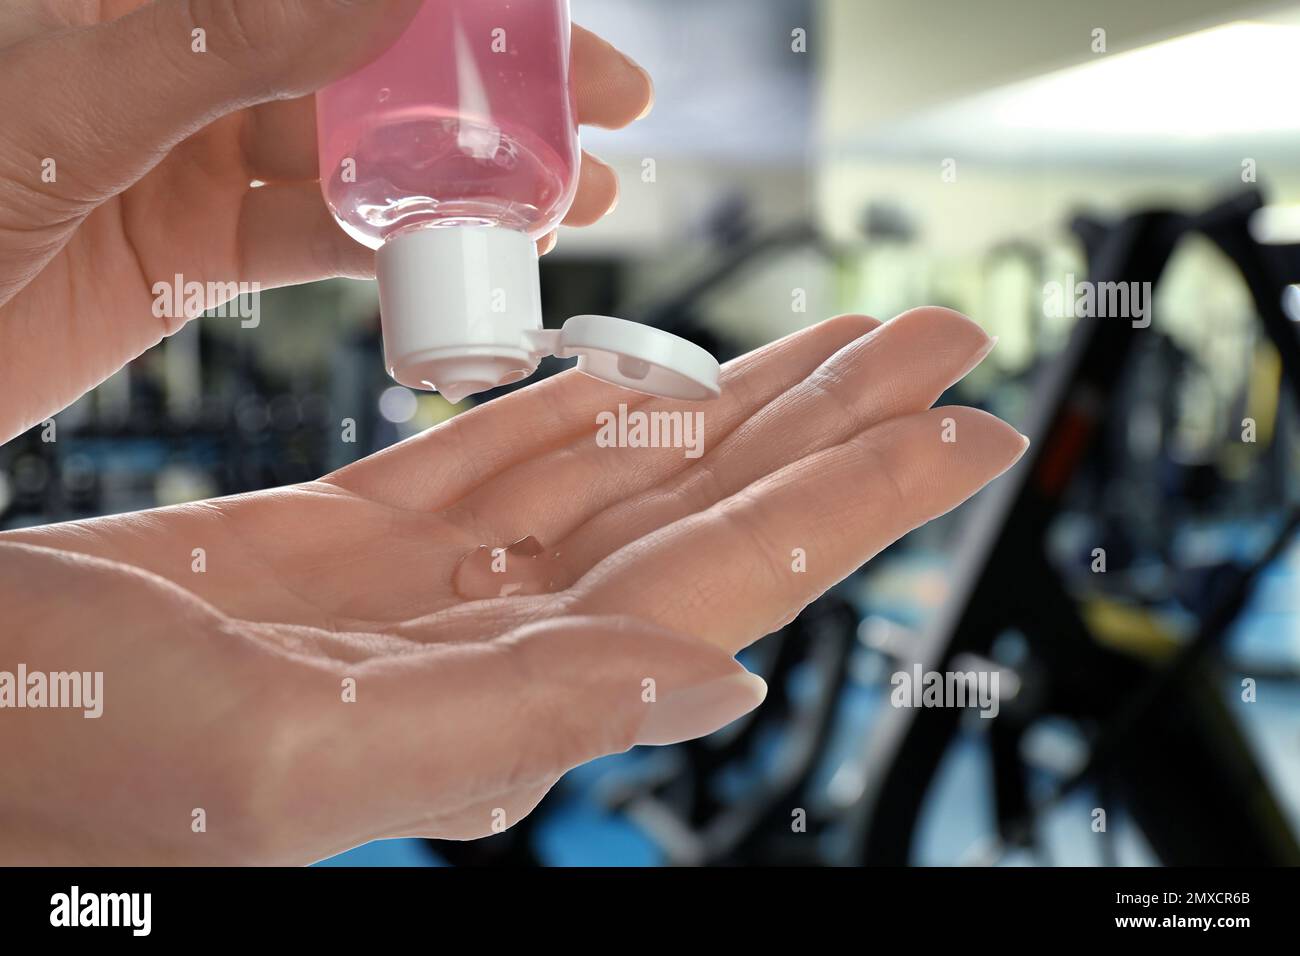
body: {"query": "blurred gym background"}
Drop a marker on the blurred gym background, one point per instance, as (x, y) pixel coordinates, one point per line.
(890, 155)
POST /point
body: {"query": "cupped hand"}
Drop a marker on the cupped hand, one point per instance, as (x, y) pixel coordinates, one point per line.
(227, 680)
(127, 158)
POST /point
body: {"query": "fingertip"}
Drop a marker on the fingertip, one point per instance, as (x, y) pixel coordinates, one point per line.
(637, 89)
(649, 84)
(613, 90)
(944, 322)
(702, 709)
(937, 311)
(598, 192)
(287, 236)
(997, 443)
(854, 322)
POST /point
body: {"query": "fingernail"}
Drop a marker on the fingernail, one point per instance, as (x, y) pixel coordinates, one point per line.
(980, 355)
(1024, 445)
(700, 710)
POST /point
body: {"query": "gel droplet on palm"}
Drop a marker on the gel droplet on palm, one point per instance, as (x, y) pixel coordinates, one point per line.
(452, 154)
(524, 567)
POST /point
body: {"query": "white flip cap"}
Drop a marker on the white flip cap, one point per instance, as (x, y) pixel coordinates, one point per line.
(634, 356)
(461, 311)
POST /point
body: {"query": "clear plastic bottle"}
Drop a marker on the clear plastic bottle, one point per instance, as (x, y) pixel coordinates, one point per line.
(469, 119)
(452, 154)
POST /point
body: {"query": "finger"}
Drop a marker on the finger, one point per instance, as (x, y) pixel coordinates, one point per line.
(447, 728)
(284, 236)
(735, 572)
(899, 369)
(597, 193)
(279, 141)
(19, 21)
(612, 89)
(547, 243)
(444, 465)
(831, 394)
(288, 236)
(109, 101)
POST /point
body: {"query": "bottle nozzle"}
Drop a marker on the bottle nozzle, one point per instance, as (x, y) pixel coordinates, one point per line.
(457, 378)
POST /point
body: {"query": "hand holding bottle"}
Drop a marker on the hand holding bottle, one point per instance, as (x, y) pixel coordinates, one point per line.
(127, 152)
(339, 669)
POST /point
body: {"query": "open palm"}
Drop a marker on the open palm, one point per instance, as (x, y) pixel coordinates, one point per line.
(658, 567)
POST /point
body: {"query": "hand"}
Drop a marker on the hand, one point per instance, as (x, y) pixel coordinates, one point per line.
(223, 689)
(154, 149)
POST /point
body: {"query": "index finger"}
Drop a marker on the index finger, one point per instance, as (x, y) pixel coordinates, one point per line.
(748, 564)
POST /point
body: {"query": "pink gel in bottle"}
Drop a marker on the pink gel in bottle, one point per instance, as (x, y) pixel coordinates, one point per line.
(452, 154)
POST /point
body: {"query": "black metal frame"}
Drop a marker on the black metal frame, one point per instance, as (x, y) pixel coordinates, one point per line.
(1002, 579)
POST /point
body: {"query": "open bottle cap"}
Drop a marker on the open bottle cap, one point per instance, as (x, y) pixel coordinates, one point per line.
(462, 313)
(634, 356)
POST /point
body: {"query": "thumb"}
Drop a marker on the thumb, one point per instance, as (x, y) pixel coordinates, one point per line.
(599, 685)
(484, 719)
(108, 102)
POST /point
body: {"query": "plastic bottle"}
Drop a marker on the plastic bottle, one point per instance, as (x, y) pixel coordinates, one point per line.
(452, 154)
